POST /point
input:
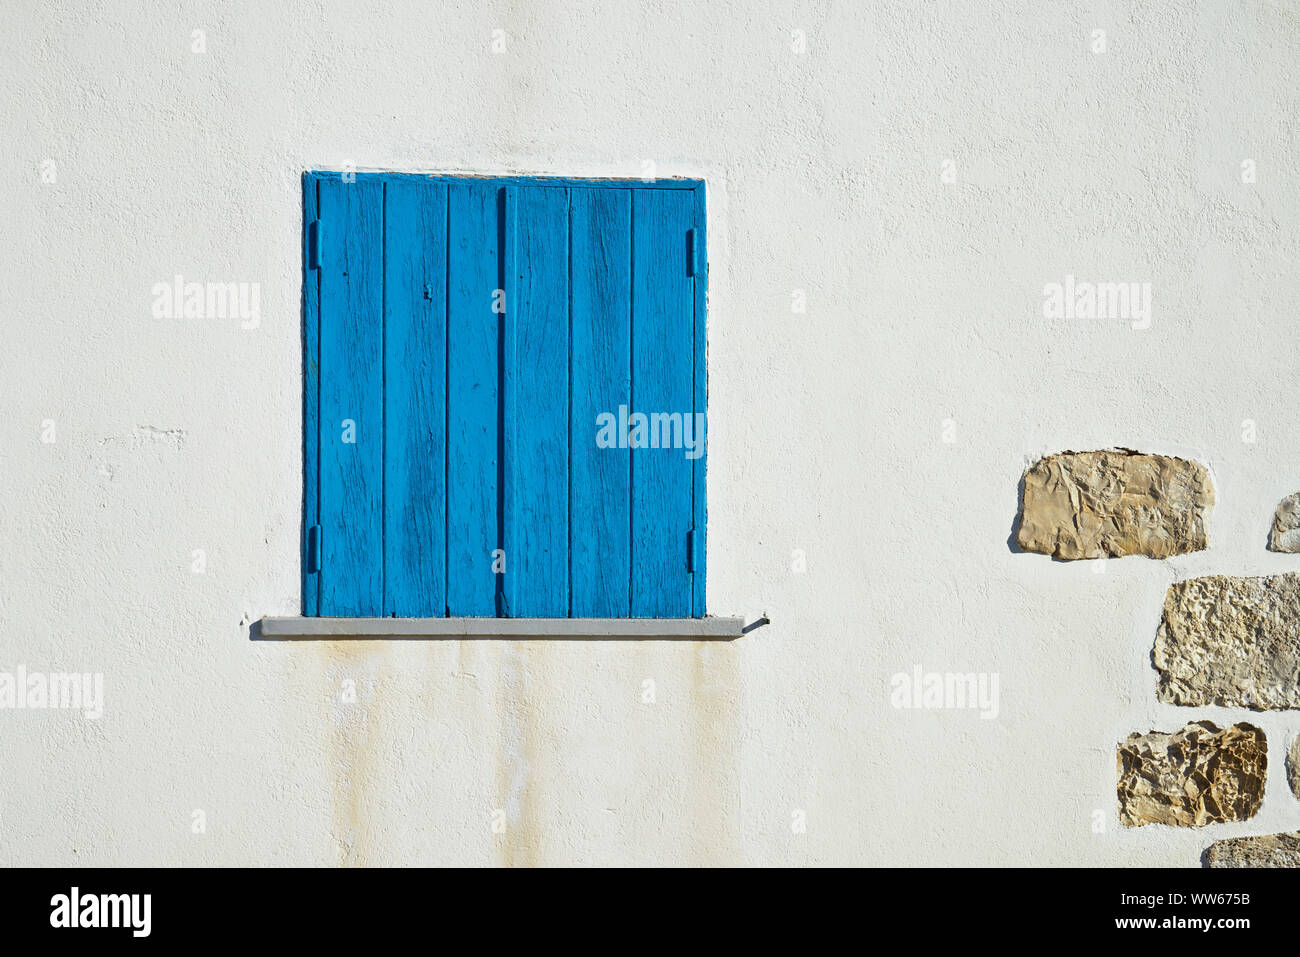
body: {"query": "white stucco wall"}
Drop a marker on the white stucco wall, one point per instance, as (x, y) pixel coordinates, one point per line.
(924, 303)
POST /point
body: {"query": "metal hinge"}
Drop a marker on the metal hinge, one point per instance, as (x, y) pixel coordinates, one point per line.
(313, 244)
(690, 550)
(692, 253)
(313, 550)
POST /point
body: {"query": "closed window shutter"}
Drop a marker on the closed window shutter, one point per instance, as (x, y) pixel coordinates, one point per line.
(461, 338)
(351, 398)
(536, 402)
(475, 326)
(415, 398)
(600, 532)
(662, 377)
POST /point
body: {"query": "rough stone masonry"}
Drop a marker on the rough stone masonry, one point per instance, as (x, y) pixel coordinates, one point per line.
(1222, 640)
(1192, 777)
(1229, 641)
(1293, 767)
(1284, 536)
(1114, 502)
(1267, 850)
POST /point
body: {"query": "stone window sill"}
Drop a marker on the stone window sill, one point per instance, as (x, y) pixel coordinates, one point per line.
(573, 629)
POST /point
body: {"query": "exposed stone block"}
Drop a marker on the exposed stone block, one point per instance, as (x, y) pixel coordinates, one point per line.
(1268, 850)
(1285, 534)
(1199, 775)
(1231, 641)
(1293, 767)
(1113, 503)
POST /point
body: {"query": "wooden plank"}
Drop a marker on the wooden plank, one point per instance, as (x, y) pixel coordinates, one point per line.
(310, 396)
(415, 398)
(536, 403)
(699, 354)
(474, 334)
(351, 398)
(663, 319)
(600, 475)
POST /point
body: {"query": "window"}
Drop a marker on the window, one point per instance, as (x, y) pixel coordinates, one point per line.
(504, 397)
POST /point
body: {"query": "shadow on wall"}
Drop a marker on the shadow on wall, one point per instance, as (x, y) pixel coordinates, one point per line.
(1013, 540)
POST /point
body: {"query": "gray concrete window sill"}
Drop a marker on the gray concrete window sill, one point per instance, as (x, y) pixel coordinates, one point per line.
(573, 629)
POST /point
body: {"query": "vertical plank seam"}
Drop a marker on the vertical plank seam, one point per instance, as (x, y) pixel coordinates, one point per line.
(315, 357)
(308, 186)
(383, 398)
(504, 263)
(631, 397)
(568, 522)
(309, 208)
(700, 487)
(694, 252)
(446, 410)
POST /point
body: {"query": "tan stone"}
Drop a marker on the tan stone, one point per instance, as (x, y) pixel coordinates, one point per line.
(1231, 641)
(1115, 502)
(1293, 767)
(1199, 775)
(1285, 534)
(1267, 850)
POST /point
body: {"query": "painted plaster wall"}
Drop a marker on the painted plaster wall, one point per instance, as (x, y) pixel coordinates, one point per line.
(827, 428)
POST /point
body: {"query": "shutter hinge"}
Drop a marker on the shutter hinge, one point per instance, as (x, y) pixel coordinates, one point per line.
(313, 244)
(313, 550)
(692, 254)
(690, 550)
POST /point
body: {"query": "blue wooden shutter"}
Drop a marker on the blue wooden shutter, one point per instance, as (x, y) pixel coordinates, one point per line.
(351, 440)
(311, 283)
(663, 313)
(461, 338)
(699, 356)
(475, 327)
(600, 478)
(536, 402)
(415, 398)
